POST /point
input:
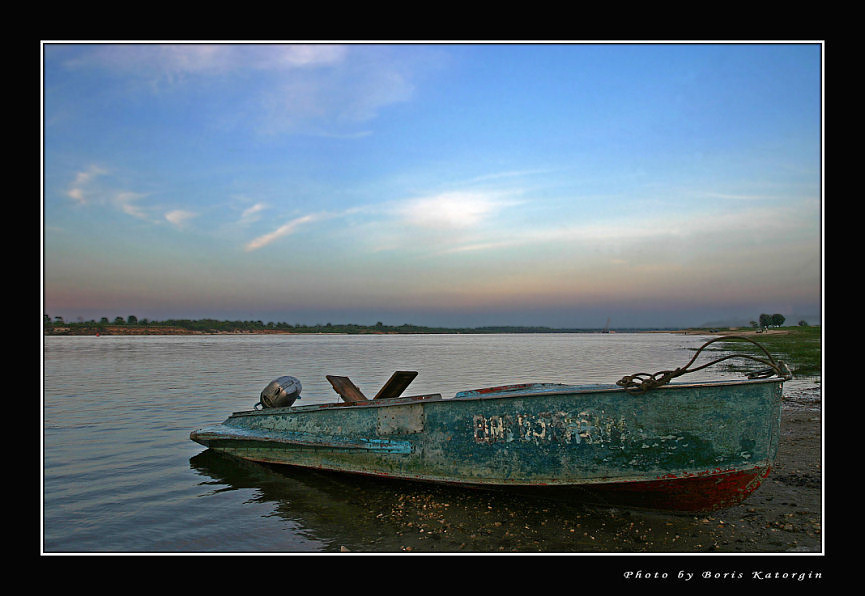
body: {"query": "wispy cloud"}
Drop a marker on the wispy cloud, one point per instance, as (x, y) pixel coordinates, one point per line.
(179, 217)
(251, 214)
(81, 189)
(480, 246)
(334, 100)
(303, 55)
(694, 233)
(126, 201)
(739, 197)
(86, 190)
(173, 63)
(295, 224)
(95, 187)
(284, 230)
(509, 174)
(321, 89)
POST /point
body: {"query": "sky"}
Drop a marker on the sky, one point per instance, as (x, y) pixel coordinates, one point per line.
(462, 185)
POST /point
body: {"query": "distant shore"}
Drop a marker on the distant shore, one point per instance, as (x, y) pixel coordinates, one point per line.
(85, 329)
(92, 329)
(156, 330)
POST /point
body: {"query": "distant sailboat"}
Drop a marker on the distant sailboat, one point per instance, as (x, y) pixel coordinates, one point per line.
(607, 326)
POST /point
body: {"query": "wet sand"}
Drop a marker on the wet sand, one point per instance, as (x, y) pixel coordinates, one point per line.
(785, 514)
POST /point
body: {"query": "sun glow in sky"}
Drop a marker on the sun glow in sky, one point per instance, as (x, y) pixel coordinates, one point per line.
(433, 184)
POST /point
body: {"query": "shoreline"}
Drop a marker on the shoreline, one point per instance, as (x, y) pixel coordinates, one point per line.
(726, 332)
(78, 329)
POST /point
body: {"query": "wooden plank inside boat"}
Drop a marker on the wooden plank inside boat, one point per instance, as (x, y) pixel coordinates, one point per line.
(347, 390)
(396, 384)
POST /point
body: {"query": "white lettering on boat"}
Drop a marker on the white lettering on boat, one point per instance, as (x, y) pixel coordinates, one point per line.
(549, 427)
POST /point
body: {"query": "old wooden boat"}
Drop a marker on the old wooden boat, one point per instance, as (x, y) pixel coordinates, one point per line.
(644, 441)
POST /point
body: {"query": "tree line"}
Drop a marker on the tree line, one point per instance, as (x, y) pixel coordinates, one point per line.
(765, 321)
(58, 325)
(104, 325)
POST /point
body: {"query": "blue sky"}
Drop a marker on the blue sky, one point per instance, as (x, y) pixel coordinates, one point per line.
(437, 184)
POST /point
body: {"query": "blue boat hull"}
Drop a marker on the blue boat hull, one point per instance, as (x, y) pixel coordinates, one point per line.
(689, 447)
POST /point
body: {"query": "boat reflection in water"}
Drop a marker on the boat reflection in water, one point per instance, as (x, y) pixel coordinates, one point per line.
(334, 512)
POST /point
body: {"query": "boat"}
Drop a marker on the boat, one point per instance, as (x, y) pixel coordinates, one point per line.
(646, 441)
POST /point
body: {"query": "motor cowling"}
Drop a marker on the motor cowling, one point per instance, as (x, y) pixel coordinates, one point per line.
(280, 393)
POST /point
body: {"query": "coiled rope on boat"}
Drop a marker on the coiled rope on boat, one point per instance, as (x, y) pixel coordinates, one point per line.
(643, 382)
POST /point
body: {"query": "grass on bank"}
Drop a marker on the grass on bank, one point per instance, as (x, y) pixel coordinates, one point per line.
(799, 347)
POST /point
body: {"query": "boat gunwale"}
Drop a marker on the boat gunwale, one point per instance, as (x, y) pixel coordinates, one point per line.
(503, 394)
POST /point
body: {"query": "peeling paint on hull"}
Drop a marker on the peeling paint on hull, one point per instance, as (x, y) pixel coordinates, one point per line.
(687, 447)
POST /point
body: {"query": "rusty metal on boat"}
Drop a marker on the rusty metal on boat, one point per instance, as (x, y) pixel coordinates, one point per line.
(644, 441)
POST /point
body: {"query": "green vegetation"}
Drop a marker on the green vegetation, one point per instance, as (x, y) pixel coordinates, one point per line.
(766, 321)
(134, 325)
(799, 347)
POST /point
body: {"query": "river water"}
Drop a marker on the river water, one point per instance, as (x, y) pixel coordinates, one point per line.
(120, 473)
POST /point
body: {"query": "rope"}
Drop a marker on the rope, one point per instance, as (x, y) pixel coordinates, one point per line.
(643, 382)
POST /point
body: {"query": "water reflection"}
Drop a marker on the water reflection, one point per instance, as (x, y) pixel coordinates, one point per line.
(366, 514)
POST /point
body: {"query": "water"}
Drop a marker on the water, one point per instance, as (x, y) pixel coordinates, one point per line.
(120, 473)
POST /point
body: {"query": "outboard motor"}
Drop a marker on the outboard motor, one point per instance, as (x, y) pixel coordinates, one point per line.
(280, 393)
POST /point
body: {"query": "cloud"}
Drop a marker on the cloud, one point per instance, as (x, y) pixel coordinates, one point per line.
(681, 237)
(454, 210)
(509, 174)
(305, 55)
(333, 101)
(479, 246)
(174, 63)
(739, 197)
(178, 217)
(84, 190)
(284, 230)
(87, 189)
(250, 214)
(80, 189)
(320, 89)
(126, 202)
(291, 227)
